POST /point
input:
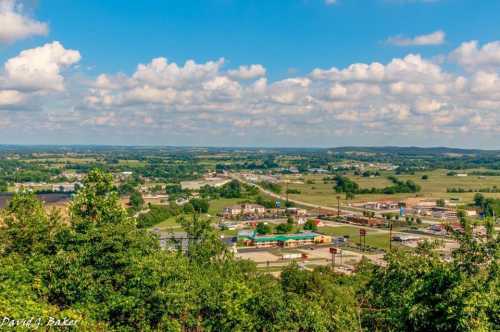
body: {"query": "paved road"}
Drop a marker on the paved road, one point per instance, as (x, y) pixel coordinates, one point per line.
(283, 197)
(351, 210)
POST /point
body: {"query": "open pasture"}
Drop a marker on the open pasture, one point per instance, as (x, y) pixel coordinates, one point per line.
(315, 190)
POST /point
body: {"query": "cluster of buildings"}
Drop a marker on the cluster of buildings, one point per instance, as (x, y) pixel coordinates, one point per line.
(251, 238)
(256, 178)
(63, 187)
(431, 209)
(379, 205)
(417, 206)
(66, 187)
(245, 209)
(365, 221)
(250, 211)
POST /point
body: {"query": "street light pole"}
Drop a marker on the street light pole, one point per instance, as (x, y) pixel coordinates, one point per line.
(338, 206)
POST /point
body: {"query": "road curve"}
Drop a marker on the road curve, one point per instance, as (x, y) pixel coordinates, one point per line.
(278, 196)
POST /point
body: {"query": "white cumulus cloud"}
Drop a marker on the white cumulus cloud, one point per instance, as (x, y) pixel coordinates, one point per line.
(39, 68)
(247, 72)
(14, 25)
(471, 56)
(434, 38)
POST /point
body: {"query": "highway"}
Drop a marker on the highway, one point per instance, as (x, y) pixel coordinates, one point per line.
(283, 197)
(315, 206)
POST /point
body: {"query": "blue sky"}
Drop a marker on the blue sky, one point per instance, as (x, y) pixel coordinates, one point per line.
(293, 98)
(115, 35)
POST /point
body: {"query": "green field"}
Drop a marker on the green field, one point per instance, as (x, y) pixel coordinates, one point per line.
(168, 224)
(434, 187)
(132, 163)
(374, 238)
(217, 205)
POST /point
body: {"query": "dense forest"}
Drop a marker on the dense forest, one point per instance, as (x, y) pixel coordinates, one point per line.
(98, 268)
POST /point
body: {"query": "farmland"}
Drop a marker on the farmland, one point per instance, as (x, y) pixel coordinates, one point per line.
(313, 189)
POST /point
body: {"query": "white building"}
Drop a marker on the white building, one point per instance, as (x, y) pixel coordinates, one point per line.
(244, 209)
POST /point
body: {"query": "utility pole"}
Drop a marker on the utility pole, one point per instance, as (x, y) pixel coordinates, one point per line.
(338, 206)
(390, 235)
(286, 186)
(362, 233)
(333, 251)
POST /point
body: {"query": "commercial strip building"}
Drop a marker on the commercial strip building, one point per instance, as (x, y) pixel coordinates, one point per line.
(379, 205)
(243, 209)
(250, 238)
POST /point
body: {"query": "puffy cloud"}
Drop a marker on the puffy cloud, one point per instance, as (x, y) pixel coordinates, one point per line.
(247, 72)
(17, 26)
(424, 105)
(11, 98)
(486, 83)
(412, 67)
(470, 56)
(411, 96)
(163, 74)
(39, 68)
(434, 38)
(357, 71)
(222, 88)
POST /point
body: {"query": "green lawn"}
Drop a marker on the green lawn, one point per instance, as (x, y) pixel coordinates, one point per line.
(229, 232)
(168, 224)
(373, 238)
(217, 205)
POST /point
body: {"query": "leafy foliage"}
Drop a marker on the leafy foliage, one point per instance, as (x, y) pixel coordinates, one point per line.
(99, 268)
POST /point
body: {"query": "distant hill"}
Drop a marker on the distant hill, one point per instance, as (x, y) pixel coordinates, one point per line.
(416, 151)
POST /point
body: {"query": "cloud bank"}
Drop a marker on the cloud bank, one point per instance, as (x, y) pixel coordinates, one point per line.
(166, 102)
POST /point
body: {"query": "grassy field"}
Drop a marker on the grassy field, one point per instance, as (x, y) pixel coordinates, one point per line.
(217, 205)
(168, 224)
(373, 238)
(434, 187)
(132, 163)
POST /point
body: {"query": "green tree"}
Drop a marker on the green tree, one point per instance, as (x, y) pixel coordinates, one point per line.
(3, 186)
(200, 205)
(28, 227)
(97, 201)
(263, 228)
(284, 228)
(419, 291)
(310, 225)
(136, 201)
(440, 202)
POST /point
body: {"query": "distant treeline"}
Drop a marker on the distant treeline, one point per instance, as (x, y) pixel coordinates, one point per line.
(493, 189)
(346, 185)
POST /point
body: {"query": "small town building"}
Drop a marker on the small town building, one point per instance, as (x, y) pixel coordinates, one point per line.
(405, 238)
(470, 213)
(381, 205)
(282, 240)
(444, 213)
(65, 187)
(296, 211)
(365, 220)
(243, 209)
